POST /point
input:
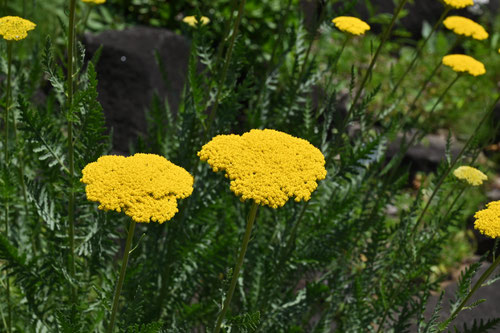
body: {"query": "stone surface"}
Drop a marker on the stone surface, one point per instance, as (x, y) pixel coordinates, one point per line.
(129, 75)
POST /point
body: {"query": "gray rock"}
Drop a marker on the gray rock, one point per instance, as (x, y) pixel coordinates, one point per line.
(129, 75)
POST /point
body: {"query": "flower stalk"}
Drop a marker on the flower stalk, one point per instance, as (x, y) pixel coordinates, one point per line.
(225, 68)
(237, 267)
(385, 36)
(71, 165)
(486, 115)
(6, 156)
(121, 278)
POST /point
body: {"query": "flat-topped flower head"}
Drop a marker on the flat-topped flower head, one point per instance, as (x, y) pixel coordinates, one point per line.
(15, 27)
(145, 186)
(471, 175)
(464, 63)
(266, 166)
(488, 220)
(192, 21)
(458, 4)
(351, 25)
(465, 27)
(95, 2)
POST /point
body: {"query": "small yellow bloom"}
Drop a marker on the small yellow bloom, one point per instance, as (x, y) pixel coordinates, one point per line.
(191, 20)
(457, 4)
(267, 166)
(351, 25)
(471, 175)
(488, 220)
(145, 186)
(15, 27)
(465, 27)
(464, 63)
(96, 2)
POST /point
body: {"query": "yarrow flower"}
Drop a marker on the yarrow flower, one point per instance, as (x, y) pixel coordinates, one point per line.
(351, 25)
(96, 2)
(267, 166)
(15, 27)
(457, 4)
(465, 27)
(488, 220)
(464, 63)
(192, 21)
(145, 186)
(471, 175)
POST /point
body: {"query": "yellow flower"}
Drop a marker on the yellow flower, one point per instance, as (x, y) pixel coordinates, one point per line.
(15, 27)
(145, 186)
(267, 166)
(471, 175)
(465, 27)
(191, 20)
(96, 2)
(488, 220)
(457, 4)
(351, 25)
(464, 63)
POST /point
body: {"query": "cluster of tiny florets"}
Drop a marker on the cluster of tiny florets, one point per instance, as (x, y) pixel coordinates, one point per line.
(96, 2)
(471, 175)
(457, 4)
(464, 63)
(267, 166)
(145, 186)
(15, 27)
(192, 21)
(465, 27)
(488, 220)
(352, 25)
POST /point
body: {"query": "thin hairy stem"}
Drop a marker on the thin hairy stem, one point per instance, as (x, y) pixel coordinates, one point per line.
(8, 95)
(71, 165)
(227, 61)
(476, 286)
(237, 267)
(385, 36)
(454, 162)
(418, 51)
(121, 278)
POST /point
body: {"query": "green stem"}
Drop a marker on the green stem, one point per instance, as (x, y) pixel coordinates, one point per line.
(486, 115)
(419, 50)
(293, 234)
(227, 60)
(7, 162)
(476, 286)
(71, 166)
(374, 59)
(122, 276)
(237, 267)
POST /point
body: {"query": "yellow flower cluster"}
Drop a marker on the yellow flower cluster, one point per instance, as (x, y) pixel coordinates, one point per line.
(96, 2)
(471, 175)
(145, 186)
(465, 27)
(191, 20)
(457, 4)
(351, 25)
(464, 63)
(488, 220)
(15, 27)
(267, 166)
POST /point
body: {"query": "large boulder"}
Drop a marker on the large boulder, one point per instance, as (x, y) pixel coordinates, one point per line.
(129, 75)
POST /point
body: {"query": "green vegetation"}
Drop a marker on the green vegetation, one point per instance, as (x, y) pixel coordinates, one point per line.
(362, 255)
